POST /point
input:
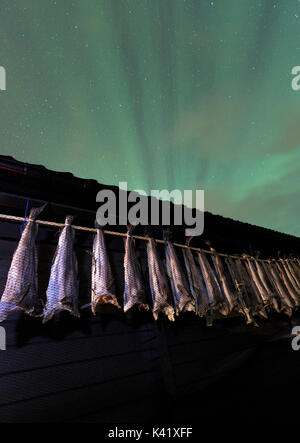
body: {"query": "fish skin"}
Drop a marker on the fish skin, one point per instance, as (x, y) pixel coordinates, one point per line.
(62, 292)
(269, 287)
(158, 283)
(183, 300)
(254, 274)
(243, 305)
(215, 296)
(103, 290)
(221, 273)
(256, 303)
(295, 264)
(197, 285)
(290, 288)
(286, 304)
(134, 293)
(291, 277)
(279, 279)
(292, 273)
(21, 290)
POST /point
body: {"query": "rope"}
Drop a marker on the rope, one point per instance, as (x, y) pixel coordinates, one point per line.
(124, 234)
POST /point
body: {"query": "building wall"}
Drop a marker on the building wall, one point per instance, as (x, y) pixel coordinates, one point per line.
(128, 368)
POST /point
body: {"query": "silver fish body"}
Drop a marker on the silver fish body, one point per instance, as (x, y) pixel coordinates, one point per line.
(134, 293)
(224, 283)
(103, 290)
(256, 303)
(293, 273)
(295, 265)
(215, 296)
(291, 277)
(243, 303)
(286, 303)
(254, 274)
(197, 284)
(158, 283)
(183, 300)
(62, 292)
(21, 290)
(291, 288)
(267, 283)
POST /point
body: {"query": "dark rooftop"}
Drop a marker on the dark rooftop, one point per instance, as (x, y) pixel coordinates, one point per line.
(69, 194)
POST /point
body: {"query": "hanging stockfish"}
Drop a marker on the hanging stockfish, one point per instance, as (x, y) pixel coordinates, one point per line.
(291, 289)
(295, 264)
(256, 303)
(286, 303)
(224, 281)
(21, 290)
(197, 285)
(243, 304)
(103, 290)
(62, 292)
(291, 275)
(158, 283)
(258, 285)
(269, 287)
(183, 301)
(293, 272)
(134, 293)
(215, 296)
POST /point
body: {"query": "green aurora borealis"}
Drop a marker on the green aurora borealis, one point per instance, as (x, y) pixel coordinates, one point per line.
(169, 94)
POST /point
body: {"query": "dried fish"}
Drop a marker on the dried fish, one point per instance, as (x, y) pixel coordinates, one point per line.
(133, 292)
(243, 303)
(183, 301)
(158, 283)
(62, 292)
(286, 304)
(215, 296)
(21, 290)
(197, 284)
(103, 290)
(296, 266)
(288, 284)
(255, 278)
(256, 303)
(224, 282)
(269, 287)
(291, 276)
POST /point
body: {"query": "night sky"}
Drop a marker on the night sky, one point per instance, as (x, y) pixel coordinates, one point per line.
(169, 94)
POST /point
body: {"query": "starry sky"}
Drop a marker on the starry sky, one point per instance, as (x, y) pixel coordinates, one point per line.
(175, 94)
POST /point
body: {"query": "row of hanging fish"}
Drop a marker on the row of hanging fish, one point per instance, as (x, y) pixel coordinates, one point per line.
(209, 287)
